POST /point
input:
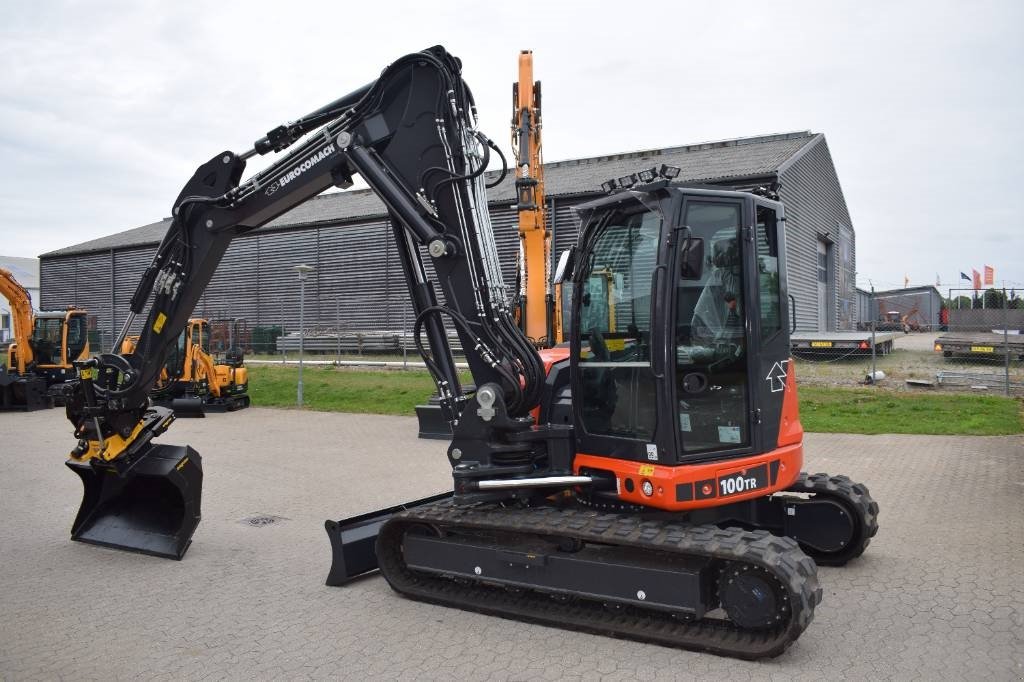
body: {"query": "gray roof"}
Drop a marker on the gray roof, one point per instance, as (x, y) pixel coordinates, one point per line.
(892, 293)
(25, 270)
(741, 158)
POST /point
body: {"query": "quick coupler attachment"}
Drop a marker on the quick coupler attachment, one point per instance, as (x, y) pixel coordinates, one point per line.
(353, 540)
(152, 508)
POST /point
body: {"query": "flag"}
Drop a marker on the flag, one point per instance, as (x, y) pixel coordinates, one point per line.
(977, 279)
(963, 275)
(990, 275)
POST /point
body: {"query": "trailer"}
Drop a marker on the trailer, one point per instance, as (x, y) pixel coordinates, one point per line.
(842, 343)
(991, 345)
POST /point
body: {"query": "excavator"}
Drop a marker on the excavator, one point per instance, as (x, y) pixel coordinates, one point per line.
(46, 344)
(644, 482)
(192, 382)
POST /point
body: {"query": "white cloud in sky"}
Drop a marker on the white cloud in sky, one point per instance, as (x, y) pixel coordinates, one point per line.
(107, 108)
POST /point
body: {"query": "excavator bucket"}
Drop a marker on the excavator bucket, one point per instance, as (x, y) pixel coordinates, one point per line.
(152, 508)
(25, 393)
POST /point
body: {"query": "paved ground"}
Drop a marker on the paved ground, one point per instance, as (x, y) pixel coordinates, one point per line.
(923, 341)
(939, 594)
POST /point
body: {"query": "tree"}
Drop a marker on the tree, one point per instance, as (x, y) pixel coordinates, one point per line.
(995, 298)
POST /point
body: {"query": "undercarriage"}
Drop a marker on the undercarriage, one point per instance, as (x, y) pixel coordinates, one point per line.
(718, 580)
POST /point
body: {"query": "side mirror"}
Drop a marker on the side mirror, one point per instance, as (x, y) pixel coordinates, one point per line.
(691, 257)
(566, 262)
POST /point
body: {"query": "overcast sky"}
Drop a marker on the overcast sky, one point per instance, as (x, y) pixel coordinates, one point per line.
(106, 109)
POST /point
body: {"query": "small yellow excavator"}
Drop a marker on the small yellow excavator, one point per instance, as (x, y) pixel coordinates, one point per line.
(39, 361)
(192, 382)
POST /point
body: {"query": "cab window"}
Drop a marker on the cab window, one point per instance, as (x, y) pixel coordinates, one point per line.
(614, 326)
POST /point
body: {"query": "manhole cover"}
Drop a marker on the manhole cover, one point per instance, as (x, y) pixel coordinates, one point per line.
(260, 520)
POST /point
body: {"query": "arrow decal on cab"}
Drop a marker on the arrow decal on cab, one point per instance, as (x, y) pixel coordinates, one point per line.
(777, 376)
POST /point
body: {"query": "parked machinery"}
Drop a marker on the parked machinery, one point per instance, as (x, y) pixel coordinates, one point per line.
(194, 382)
(644, 482)
(40, 360)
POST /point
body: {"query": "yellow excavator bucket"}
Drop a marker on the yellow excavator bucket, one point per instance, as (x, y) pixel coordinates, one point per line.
(152, 508)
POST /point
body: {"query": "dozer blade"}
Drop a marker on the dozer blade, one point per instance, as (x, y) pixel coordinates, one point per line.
(188, 407)
(152, 508)
(353, 540)
(23, 393)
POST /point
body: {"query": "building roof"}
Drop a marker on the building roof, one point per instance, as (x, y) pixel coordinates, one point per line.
(890, 293)
(741, 158)
(25, 270)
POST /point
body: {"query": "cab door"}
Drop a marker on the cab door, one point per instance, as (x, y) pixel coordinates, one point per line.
(715, 356)
(771, 321)
(618, 350)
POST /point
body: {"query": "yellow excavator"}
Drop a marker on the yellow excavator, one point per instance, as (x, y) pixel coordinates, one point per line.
(46, 344)
(192, 382)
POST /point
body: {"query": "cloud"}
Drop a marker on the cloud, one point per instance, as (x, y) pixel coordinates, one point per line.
(107, 108)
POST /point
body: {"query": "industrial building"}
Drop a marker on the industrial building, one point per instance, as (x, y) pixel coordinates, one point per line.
(358, 285)
(913, 307)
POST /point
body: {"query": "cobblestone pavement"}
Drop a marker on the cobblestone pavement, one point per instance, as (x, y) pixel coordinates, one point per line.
(939, 594)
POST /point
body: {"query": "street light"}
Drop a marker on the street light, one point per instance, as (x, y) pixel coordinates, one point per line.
(303, 270)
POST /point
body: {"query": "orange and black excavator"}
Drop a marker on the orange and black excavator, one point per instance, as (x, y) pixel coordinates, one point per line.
(46, 344)
(643, 482)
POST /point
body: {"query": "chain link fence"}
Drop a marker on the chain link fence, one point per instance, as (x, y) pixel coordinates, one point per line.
(977, 346)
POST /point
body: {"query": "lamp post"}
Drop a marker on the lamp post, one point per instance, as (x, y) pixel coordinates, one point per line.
(303, 270)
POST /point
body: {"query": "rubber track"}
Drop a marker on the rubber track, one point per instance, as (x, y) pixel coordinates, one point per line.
(780, 556)
(856, 497)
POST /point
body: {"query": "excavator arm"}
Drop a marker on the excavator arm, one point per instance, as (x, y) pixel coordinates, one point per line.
(538, 311)
(21, 318)
(412, 136)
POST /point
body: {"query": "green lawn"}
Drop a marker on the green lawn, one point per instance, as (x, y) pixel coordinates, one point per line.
(340, 390)
(834, 410)
(845, 410)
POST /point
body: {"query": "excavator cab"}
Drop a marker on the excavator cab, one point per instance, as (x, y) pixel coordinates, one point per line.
(682, 350)
(59, 338)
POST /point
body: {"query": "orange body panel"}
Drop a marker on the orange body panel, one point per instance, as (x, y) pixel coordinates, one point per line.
(666, 478)
(791, 431)
(549, 356)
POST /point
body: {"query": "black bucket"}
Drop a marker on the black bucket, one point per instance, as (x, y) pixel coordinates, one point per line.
(153, 508)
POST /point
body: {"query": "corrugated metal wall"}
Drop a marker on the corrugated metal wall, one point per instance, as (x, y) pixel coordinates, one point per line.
(815, 208)
(358, 279)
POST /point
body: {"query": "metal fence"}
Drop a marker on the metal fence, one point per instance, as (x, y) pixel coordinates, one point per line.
(961, 355)
(957, 358)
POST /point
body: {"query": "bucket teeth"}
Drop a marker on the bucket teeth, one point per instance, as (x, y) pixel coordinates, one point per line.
(152, 508)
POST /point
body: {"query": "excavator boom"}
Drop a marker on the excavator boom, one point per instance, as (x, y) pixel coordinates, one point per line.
(20, 388)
